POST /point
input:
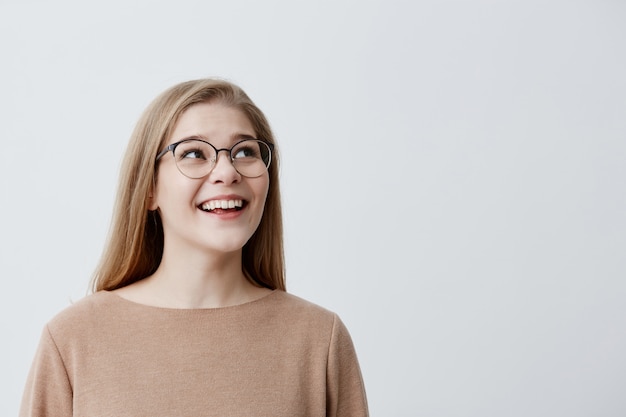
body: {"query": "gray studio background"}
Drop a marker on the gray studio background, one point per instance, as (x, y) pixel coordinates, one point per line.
(453, 179)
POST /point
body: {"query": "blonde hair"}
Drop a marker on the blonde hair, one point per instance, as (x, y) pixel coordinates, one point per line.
(135, 244)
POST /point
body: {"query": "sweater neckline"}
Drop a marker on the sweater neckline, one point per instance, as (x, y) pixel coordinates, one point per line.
(134, 304)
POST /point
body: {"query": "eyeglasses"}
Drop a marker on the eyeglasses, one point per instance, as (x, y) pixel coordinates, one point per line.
(195, 158)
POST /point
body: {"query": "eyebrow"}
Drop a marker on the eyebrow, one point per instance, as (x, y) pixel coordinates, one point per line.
(234, 138)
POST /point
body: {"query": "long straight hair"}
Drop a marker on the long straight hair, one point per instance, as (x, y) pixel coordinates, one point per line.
(135, 243)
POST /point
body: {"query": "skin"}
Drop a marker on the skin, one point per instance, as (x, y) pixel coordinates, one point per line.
(201, 264)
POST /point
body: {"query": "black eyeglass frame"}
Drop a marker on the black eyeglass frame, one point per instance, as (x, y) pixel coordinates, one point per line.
(172, 147)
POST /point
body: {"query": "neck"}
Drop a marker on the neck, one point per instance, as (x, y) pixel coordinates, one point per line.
(196, 280)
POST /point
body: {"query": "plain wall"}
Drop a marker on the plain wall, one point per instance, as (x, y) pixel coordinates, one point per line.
(453, 179)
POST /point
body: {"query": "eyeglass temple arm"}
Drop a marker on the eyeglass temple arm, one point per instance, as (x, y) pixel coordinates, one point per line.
(166, 150)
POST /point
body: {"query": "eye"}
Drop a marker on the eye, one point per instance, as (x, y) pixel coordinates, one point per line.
(193, 154)
(194, 150)
(248, 149)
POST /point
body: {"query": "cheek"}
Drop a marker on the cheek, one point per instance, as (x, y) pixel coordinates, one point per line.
(170, 191)
(263, 189)
(260, 189)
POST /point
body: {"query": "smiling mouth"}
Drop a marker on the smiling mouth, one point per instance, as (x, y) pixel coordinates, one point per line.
(219, 206)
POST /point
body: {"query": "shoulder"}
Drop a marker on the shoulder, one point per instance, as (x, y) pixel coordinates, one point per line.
(301, 307)
(300, 315)
(87, 305)
(82, 315)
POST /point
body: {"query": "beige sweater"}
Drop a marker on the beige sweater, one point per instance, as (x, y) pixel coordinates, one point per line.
(277, 356)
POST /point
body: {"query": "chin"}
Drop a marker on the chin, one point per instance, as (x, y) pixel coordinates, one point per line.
(226, 246)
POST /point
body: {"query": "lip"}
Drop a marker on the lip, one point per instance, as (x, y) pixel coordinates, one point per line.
(224, 215)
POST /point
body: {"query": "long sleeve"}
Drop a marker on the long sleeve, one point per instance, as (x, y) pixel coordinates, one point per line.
(345, 389)
(48, 390)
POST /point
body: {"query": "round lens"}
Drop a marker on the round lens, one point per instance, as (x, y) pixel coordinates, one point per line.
(251, 158)
(194, 158)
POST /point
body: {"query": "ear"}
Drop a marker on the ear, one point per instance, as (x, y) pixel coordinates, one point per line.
(152, 201)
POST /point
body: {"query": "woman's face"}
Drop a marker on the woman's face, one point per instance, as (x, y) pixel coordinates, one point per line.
(191, 208)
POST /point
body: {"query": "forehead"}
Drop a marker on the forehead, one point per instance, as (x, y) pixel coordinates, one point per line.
(212, 120)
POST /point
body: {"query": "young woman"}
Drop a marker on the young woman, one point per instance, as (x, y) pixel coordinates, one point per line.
(189, 315)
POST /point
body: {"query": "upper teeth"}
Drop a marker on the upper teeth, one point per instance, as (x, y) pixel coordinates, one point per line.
(222, 204)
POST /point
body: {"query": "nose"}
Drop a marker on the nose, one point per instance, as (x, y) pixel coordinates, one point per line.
(224, 171)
